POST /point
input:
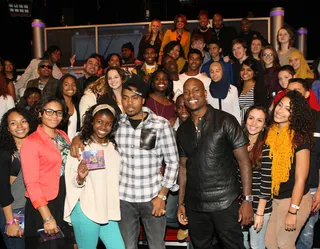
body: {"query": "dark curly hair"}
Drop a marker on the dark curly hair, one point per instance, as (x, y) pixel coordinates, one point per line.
(87, 127)
(256, 152)
(6, 139)
(302, 119)
(14, 70)
(42, 103)
(50, 50)
(109, 58)
(59, 91)
(170, 45)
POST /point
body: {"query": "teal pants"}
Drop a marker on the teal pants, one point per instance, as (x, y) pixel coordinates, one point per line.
(87, 232)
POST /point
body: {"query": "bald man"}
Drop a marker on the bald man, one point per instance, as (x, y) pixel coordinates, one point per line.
(209, 141)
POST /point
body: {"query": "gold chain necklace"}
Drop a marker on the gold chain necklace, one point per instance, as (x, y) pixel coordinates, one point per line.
(102, 144)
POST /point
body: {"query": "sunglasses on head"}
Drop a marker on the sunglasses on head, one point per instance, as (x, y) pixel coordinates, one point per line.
(46, 66)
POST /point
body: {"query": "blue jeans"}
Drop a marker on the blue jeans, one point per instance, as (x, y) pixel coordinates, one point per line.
(171, 208)
(257, 238)
(129, 224)
(305, 239)
(87, 232)
(11, 242)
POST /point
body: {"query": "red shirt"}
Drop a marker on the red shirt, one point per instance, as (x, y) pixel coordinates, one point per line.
(312, 100)
(41, 163)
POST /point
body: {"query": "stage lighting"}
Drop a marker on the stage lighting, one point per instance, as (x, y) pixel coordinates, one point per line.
(18, 8)
(186, 2)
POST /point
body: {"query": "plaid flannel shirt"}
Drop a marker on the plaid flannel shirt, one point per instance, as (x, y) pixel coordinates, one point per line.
(140, 177)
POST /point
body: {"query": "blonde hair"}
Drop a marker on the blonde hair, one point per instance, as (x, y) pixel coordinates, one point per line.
(100, 86)
(160, 33)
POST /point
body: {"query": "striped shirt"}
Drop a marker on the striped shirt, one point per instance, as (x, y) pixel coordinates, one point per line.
(140, 177)
(265, 181)
(261, 182)
(245, 101)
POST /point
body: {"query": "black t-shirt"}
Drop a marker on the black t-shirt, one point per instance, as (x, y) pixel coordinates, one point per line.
(15, 167)
(6, 197)
(286, 188)
(135, 122)
(313, 179)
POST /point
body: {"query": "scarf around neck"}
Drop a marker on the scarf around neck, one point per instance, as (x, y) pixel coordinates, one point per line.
(281, 153)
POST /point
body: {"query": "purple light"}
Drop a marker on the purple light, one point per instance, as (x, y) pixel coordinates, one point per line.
(277, 13)
(302, 31)
(38, 24)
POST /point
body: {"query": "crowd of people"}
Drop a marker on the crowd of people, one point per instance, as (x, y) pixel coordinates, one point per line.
(212, 132)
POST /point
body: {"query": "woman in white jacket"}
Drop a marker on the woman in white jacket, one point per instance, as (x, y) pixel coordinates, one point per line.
(6, 101)
(221, 94)
(92, 202)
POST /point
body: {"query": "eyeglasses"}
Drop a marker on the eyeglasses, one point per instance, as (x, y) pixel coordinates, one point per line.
(267, 55)
(50, 112)
(46, 66)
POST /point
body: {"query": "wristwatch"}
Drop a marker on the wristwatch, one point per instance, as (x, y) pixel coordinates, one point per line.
(162, 197)
(248, 198)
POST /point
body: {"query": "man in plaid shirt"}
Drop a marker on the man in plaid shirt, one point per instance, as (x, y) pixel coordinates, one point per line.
(145, 142)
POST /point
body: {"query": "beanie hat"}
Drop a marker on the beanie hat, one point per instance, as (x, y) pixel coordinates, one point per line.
(128, 45)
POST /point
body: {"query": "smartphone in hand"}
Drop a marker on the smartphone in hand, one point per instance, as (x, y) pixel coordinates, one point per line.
(47, 237)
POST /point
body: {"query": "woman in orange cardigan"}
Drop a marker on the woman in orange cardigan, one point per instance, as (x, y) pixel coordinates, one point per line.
(179, 32)
(43, 156)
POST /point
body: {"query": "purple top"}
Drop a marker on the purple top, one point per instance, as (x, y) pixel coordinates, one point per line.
(272, 83)
(166, 111)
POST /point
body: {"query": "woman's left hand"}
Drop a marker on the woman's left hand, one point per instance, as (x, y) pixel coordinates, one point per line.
(258, 222)
(290, 222)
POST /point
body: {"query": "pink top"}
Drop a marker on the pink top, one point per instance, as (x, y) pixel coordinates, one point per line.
(41, 163)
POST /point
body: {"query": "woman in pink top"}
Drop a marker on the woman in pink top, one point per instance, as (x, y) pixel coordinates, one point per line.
(43, 157)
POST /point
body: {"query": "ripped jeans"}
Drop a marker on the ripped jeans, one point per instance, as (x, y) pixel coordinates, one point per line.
(305, 239)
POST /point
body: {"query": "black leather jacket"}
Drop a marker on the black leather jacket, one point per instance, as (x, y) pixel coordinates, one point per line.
(212, 183)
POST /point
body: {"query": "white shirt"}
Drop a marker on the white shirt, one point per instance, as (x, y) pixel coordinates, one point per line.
(230, 104)
(6, 103)
(72, 126)
(178, 85)
(99, 194)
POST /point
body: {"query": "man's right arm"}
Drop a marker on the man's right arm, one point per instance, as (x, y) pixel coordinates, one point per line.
(182, 178)
(76, 144)
(27, 74)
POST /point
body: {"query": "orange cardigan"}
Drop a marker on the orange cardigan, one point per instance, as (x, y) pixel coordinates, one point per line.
(41, 165)
(172, 36)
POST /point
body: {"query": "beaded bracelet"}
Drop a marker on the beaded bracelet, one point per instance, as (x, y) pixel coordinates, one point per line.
(181, 204)
(11, 222)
